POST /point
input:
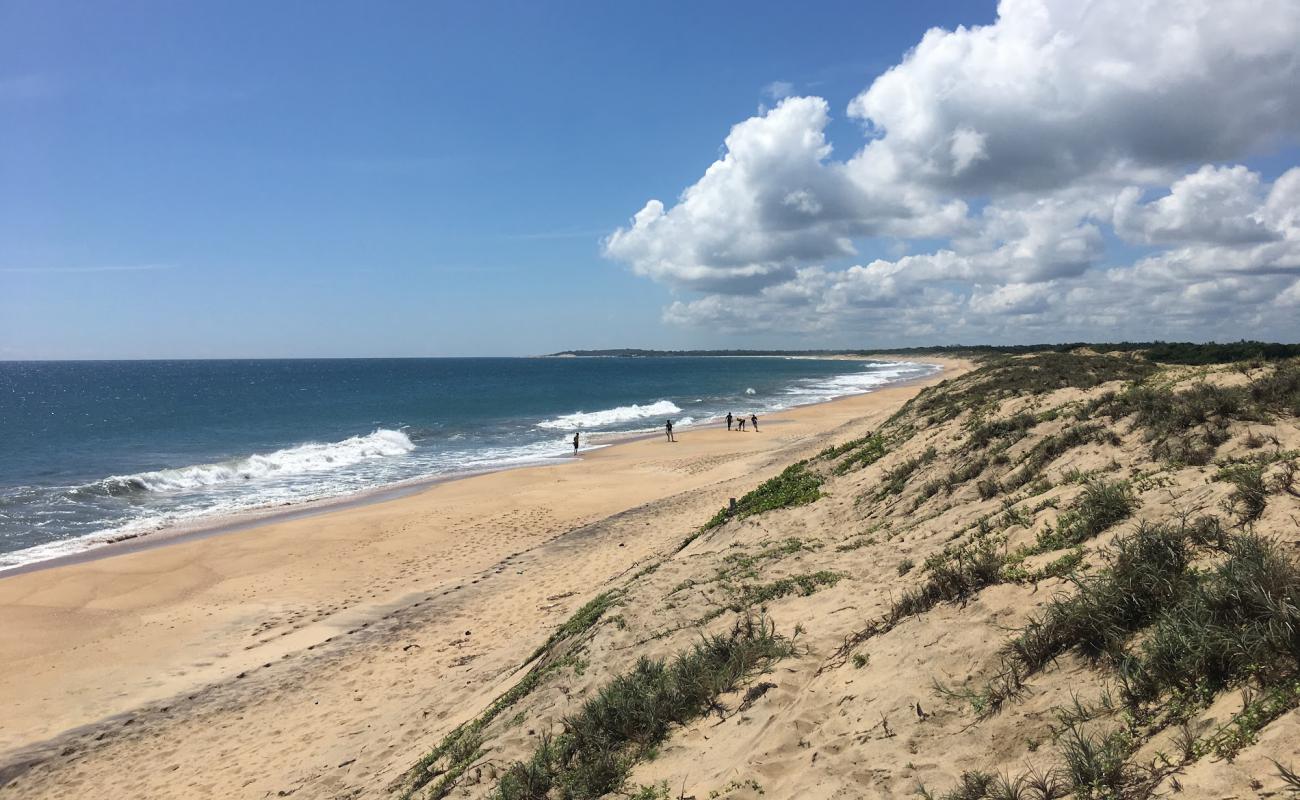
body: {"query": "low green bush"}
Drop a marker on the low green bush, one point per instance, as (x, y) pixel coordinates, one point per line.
(634, 712)
(796, 486)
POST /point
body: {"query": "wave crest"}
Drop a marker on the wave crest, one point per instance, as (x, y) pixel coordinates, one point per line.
(310, 457)
(610, 416)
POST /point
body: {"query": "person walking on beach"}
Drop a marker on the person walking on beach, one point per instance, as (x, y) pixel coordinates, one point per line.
(668, 428)
(729, 420)
(575, 443)
(754, 419)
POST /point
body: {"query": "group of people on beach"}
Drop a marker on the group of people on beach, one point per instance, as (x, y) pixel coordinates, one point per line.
(738, 422)
(734, 423)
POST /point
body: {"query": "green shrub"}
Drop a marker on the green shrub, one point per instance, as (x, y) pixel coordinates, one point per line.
(805, 585)
(865, 452)
(835, 451)
(462, 747)
(1250, 497)
(796, 486)
(633, 713)
(1050, 448)
(1240, 619)
(1100, 507)
(972, 785)
(1146, 572)
(1187, 426)
(1063, 566)
(895, 480)
(1013, 426)
(950, 577)
(968, 469)
(1208, 629)
(582, 620)
(1279, 390)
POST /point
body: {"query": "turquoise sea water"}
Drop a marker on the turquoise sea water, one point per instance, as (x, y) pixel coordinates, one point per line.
(92, 451)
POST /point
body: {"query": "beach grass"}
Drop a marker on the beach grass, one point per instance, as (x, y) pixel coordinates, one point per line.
(597, 747)
(795, 486)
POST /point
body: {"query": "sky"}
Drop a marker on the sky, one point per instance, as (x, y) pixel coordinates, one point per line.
(301, 179)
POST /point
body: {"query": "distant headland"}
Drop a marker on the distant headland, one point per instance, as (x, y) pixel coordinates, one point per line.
(1165, 352)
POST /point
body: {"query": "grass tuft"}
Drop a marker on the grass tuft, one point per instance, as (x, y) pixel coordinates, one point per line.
(1249, 497)
(582, 620)
(633, 713)
(1240, 619)
(895, 480)
(862, 453)
(445, 764)
(796, 486)
(1097, 765)
(1100, 507)
(950, 577)
(1146, 571)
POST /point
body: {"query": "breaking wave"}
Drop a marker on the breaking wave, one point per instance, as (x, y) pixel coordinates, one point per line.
(304, 458)
(610, 416)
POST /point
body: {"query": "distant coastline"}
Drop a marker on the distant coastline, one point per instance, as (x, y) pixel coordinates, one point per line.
(633, 352)
(1163, 352)
(389, 426)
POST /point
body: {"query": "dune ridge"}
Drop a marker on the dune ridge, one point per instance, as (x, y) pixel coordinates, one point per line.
(260, 660)
(1056, 574)
(1059, 575)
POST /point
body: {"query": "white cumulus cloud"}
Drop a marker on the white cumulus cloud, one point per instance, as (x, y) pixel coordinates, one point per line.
(1073, 170)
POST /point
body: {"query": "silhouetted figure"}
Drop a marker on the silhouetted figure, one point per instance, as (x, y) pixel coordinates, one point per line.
(575, 444)
(668, 428)
(728, 420)
(742, 425)
(754, 419)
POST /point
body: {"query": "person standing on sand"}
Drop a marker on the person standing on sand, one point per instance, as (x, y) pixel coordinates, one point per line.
(741, 427)
(754, 419)
(729, 420)
(668, 428)
(575, 443)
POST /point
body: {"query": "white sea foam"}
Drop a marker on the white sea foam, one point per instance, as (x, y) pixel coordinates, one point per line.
(385, 458)
(234, 501)
(877, 375)
(304, 458)
(610, 416)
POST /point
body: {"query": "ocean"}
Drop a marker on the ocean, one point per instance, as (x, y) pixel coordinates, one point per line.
(95, 451)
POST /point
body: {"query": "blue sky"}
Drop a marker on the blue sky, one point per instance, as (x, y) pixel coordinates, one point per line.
(267, 179)
(326, 179)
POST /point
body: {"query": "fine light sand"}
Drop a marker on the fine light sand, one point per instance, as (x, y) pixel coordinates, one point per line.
(322, 655)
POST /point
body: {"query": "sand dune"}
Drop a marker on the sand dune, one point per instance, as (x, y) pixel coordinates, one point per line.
(946, 574)
(325, 653)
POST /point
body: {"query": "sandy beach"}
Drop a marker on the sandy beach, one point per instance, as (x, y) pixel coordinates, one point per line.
(329, 650)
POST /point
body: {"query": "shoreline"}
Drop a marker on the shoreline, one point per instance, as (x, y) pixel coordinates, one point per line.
(257, 517)
(247, 519)
(291, 611)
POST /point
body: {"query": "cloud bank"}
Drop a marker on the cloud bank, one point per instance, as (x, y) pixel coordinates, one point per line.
(1077, 164)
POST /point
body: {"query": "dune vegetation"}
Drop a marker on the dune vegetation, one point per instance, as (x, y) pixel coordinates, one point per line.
(1064, 573)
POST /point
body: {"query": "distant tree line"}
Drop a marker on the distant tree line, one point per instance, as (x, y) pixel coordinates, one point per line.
(632, 352)
(1164, 352)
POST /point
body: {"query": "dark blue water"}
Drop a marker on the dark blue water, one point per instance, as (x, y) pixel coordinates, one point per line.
(91, 451)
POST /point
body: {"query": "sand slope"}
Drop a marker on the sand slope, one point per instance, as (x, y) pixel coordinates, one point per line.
(869, 721)
(347, 702)
(322, 654)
